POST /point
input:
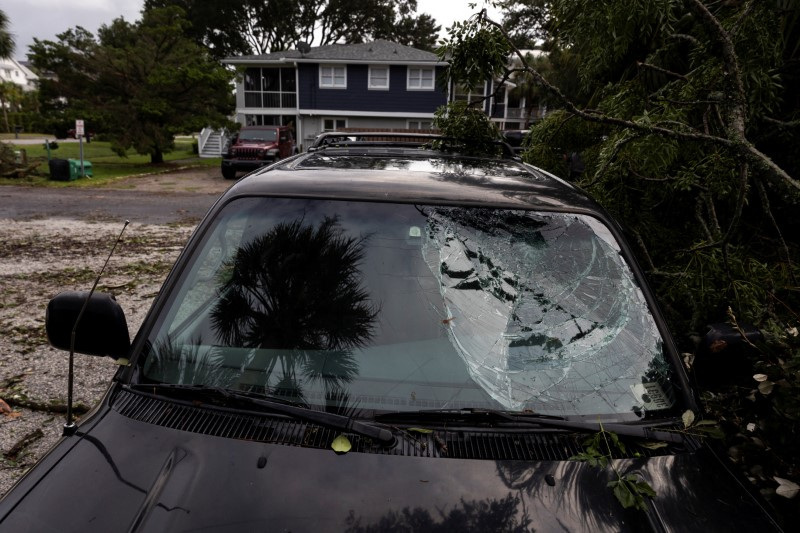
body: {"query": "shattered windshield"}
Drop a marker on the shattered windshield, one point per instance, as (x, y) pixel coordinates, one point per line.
(386, 307)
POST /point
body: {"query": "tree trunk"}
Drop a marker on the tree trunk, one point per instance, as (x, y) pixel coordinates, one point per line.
(5, 114)
(157, 156)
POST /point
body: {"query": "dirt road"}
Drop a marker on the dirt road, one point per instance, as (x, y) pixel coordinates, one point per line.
(182, 196)
(57, 239)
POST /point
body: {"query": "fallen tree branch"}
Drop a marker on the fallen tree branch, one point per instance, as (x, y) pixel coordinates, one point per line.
(736, 114)
(23, 443)
(662, 70)
(765, 205)
(56, 408)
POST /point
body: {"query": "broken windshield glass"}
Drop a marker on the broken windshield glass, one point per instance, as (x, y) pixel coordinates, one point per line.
(542, 309)
(422, 307)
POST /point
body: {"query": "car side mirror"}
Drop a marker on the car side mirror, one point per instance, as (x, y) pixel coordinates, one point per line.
(102, 330)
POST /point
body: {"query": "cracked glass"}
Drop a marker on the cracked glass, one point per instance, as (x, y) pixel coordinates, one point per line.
(353, 306)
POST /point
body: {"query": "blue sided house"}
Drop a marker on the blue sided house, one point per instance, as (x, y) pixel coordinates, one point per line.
(377, 85)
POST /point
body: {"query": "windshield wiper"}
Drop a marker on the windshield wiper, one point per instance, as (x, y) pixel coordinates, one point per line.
(323, 418)
(501, 418)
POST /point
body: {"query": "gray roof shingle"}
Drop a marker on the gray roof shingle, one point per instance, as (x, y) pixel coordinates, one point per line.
(379, 51)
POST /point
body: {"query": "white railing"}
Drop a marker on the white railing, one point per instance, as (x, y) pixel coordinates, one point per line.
(201, 141)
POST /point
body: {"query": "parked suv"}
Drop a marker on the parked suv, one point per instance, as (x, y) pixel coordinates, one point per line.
(382, 336)
(255, 146)
(515, 139)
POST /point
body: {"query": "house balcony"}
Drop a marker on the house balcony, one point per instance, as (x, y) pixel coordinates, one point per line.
(516, 113)
(270, 100)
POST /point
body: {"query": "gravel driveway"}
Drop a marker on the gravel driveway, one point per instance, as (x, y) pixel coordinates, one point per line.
(40, 257)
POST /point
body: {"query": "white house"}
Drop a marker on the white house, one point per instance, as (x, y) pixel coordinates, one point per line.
(15, 72)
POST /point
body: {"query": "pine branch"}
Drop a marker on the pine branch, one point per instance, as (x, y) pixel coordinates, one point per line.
(765, 205)
(781, 123)
(661, 70)
(698, 214)
(684, 37)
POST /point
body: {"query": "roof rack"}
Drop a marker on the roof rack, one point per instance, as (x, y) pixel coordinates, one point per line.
(423, 141)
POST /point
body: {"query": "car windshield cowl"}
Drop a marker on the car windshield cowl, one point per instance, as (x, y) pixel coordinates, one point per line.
(497, 418)
(274, 405)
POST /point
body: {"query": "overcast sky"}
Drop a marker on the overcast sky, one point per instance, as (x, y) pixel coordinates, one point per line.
(44, 19)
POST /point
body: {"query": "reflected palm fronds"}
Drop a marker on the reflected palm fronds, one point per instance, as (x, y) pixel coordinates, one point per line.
(295, 293)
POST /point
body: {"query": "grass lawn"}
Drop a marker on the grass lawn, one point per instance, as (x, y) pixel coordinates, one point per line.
(106, 165)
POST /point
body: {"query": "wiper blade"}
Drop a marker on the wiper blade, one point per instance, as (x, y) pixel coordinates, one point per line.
(323, 418)
(197, 393)
(502, 418)
(470, 415)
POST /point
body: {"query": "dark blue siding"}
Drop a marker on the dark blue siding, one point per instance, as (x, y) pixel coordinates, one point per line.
(358, 98)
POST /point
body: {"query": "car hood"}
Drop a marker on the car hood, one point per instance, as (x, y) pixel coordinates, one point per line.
(135, 476)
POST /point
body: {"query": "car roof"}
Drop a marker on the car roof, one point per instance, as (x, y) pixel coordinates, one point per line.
(430, 178)
(389, 171)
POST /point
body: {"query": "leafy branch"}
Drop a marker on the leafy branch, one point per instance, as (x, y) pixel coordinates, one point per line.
(479, 48)
(629, 489)
(474, 132)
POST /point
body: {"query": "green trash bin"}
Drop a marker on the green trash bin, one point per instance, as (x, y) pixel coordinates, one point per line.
(75, 168)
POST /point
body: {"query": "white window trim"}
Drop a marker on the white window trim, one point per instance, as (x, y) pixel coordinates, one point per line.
(333, 84)
(370, 85)
(474, 95)
(419, 121)
(334, 119)
(408, 79)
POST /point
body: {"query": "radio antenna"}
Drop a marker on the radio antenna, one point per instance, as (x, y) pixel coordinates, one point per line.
(69, 426)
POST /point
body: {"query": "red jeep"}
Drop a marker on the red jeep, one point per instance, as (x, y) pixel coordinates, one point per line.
(256, 146)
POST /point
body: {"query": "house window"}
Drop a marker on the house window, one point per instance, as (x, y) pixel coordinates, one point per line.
(378, 78)
(333, 124)
(263, 120)
(333, 77)
(419, 124)
(420, 79)
(514, 99)
(462, 93)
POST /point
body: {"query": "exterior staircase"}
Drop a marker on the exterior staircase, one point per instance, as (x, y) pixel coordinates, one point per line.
(210, 143)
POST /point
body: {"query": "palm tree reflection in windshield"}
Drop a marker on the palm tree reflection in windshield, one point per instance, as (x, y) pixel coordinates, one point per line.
(295, 293)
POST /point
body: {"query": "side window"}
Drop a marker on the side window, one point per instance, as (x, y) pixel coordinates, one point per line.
(420, 79)
(461, 92)
(419, 124)
(378, 78)
(333, 76)
(334, 124)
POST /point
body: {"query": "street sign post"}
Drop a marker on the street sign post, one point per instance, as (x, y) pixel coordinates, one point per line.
(79, 135)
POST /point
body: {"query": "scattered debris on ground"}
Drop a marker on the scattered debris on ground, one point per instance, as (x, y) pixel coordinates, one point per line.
(38, 259)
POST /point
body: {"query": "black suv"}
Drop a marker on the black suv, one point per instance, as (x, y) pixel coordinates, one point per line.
(380, 336)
